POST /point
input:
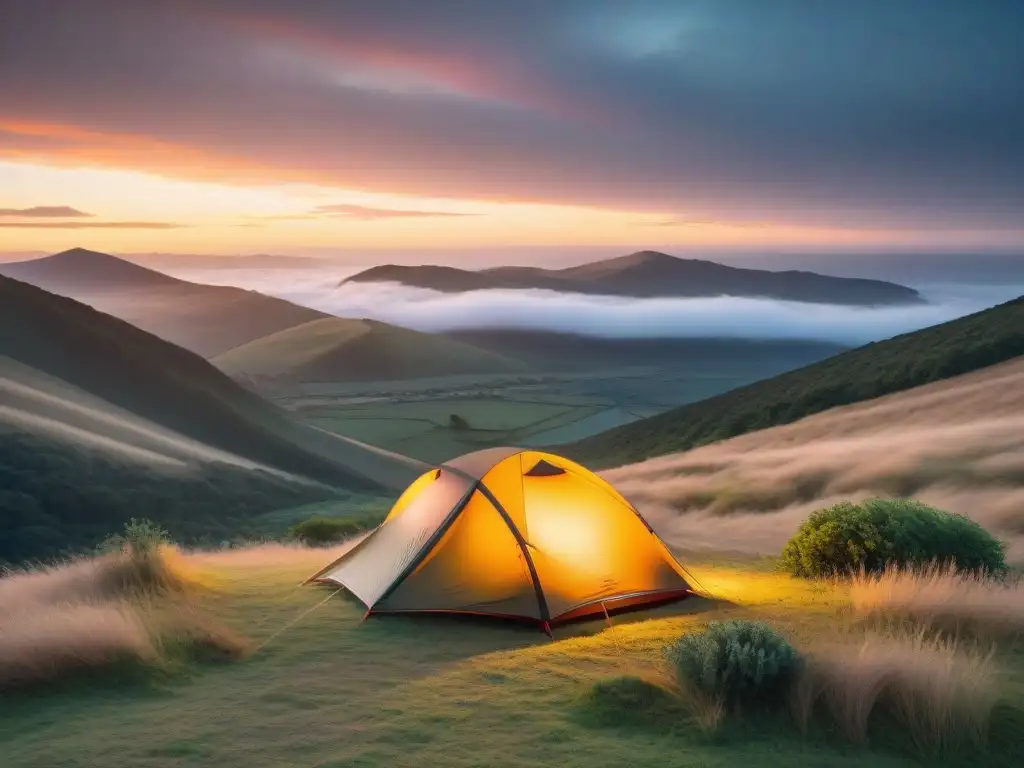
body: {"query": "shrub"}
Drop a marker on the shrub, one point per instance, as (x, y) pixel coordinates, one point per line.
(327, 530)
(735, 659)
(140, 537)
(847, 538)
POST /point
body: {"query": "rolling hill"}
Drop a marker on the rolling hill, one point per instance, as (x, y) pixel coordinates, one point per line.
(339, 349)
(100, 421)
(205, 319)
(553, 350)
(650, 274)
(174, 388)
(939, 352)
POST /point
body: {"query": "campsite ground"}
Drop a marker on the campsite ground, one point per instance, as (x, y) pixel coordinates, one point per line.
(332, 690)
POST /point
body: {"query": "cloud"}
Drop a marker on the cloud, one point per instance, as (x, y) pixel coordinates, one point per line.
(849, 114)
(366, 213)
(43, 211)
(89, 225)
(606, 316)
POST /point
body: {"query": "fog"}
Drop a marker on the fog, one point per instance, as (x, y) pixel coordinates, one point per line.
(608, 316)
(956, 444)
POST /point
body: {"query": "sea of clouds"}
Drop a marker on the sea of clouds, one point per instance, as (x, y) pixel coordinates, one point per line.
(607, 316)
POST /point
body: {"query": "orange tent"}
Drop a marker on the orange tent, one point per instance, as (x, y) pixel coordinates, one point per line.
(513, 533)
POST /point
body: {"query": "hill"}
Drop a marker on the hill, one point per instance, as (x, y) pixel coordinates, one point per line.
(650, 274)
(205, 319)
(939, 352)
(553, 350)
(100, 421)
(956, 444)
(174, 388)
(339, 349)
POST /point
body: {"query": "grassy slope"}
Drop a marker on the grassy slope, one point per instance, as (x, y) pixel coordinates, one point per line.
(206, 319)
(339, 349)
(894, 365)
(170, 386)
(334, 691)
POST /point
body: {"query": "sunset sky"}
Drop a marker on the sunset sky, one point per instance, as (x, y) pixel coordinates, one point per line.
(237, 126)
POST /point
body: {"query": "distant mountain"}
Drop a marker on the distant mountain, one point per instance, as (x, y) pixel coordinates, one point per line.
(907, 361)
(554, 351)
(205, 319)
(650, 274)
(338, 349)
(177, 390)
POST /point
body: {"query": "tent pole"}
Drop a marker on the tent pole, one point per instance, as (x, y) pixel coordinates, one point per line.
(606, 616)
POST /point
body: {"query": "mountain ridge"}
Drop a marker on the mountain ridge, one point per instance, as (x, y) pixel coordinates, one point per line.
(650, 274)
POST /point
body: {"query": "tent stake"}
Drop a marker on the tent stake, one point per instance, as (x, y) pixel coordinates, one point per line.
(606, 616)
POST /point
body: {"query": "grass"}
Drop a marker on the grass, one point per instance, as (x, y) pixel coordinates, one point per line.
(942, 599)
(332, 690)
(897, 364)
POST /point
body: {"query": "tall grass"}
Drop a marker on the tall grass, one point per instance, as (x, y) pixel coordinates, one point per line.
(940, 691)
(942, 599)
(91, 613)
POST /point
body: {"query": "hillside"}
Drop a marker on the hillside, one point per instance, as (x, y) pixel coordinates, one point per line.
(176, 389)
(338, 349)
(205, 319)
(553, 350)
(649, 274)
(939, 352)
(957, 444)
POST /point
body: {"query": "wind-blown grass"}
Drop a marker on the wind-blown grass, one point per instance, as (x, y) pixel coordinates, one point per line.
(939, 690)
(941, 598)
(104, 611)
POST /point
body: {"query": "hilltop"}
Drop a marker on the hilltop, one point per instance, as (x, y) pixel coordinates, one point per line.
(339, 349)
(939, 352)
(205, 319)
(650, 274)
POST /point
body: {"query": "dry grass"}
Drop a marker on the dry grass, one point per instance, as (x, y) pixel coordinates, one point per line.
(96, 612)
(940, 691)
(957, 445)
(942, 599)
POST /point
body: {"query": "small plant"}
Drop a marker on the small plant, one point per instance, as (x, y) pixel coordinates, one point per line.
(847, 538)
(321, 530)
(141, 537)
(731, 660)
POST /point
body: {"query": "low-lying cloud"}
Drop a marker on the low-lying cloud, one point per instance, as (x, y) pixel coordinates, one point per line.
(608, 316)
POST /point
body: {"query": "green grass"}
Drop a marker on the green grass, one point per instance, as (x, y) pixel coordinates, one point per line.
(390, 691)
(939, 352)
(421, 428)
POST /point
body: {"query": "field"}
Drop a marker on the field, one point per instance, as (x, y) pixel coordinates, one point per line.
(332, 690)
(413, 417)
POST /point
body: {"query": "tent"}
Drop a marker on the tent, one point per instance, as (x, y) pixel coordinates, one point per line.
(511, 533)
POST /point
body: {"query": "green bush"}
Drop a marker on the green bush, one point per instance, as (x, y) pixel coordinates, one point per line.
(140, 537)
(845, 538)
(734, 660)
(327, 530)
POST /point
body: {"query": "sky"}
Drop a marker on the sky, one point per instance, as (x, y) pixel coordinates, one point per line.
(240, 126)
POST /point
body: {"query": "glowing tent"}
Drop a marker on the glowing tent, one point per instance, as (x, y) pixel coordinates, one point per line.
(512, 533)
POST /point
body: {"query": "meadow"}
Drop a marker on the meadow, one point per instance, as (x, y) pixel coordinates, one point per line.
(318, 686)
(413, 417)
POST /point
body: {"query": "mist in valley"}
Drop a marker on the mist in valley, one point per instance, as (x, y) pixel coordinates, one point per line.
(608, 316)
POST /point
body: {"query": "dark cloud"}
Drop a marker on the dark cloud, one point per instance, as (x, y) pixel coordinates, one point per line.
(43, 212)
(89, 225)
(843, 113)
